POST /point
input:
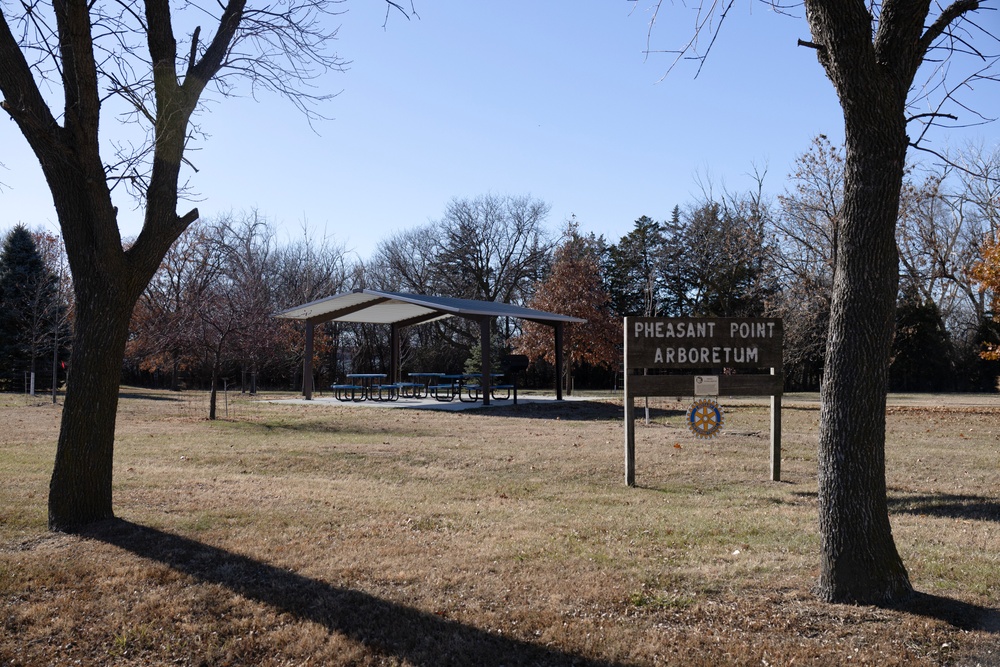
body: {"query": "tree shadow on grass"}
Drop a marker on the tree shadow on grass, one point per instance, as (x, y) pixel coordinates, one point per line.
(385, 627)
(962, 615)
(573, 411)
(958, 614)
(948, 506)
(140, 396)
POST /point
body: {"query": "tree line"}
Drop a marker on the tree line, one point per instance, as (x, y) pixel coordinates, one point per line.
(207, 317)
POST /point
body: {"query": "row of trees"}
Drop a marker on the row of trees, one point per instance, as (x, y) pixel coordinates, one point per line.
(742, 255)
(209, 312)
(737, 255)
(207, 315)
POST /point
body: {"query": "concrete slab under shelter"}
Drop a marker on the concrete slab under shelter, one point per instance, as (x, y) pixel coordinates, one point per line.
(426, 403)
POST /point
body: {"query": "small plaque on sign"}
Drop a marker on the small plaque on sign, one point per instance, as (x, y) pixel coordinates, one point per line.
(706, 385)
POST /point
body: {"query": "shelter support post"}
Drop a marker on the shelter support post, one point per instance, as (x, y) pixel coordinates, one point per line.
(394, 354)
(484, 342)
(307, 363)
(559, 360)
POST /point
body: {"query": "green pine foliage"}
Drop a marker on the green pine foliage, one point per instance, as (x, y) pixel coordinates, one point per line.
(28, 307)
(922, 354)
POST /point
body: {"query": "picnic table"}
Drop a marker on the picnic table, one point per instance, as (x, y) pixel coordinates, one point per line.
(423, 381)
(471, 384)
(466, 386)
(363, 386)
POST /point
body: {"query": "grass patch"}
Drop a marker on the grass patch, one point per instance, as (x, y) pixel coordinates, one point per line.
(336, 535)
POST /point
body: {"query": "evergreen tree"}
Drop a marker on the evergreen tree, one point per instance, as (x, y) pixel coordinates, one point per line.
(27, 305)
(632, 274)
(922, 355)
(983, 368)
(719, 264)
(673, 273)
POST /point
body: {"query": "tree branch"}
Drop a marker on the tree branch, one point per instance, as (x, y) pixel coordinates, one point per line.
(945, 19)
(812, 45)
(944, 159)
(193, 54)
(932, 115)
(389, 5)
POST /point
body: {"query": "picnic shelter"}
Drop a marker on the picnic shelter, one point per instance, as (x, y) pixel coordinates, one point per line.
(401, 310)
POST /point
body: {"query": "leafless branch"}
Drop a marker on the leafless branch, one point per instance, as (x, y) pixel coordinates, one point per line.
(945, 160)
(390, 5)
(812, 45)
(279, 46)
(708, 20)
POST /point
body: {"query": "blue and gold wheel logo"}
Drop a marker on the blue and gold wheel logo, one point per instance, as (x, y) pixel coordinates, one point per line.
(705, 418)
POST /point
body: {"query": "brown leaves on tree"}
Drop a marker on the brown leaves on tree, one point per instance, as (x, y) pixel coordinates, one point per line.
(573, 287)
(986, 272)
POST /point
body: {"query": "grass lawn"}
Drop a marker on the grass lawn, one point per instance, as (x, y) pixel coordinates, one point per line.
(334, 535)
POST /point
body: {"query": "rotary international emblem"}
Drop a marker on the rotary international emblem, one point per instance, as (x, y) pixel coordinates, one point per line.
(705, 418)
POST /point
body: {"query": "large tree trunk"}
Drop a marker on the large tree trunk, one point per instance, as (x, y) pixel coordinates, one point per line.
(80, 489)
(872, 63)
(108, 279)
(859, 558)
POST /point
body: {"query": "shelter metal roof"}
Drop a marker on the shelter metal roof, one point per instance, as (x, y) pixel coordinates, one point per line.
(373, 306)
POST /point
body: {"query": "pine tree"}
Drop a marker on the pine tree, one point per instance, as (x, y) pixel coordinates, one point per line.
(27, 300)
(922, 354)
(632, 272)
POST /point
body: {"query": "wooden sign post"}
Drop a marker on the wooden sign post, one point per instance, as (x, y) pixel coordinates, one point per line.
(706, 346)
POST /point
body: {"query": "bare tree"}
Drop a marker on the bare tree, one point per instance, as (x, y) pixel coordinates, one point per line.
(491, 248)
(938, 239)
(105, 58)
(871, 55)
(163, 319)
(405, 262)
(307, 269)
(937, 235)
(805, 228)
(871, 52)
(310, 268)
(810, 213)
(60, 312)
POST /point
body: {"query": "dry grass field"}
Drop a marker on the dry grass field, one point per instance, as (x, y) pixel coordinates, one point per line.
(334, 535)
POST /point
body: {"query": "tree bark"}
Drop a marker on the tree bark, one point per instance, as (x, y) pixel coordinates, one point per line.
(871, 71)
(860, 562)
(80, 488)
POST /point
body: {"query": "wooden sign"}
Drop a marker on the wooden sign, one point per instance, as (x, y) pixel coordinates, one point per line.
(704, 344)
(711, 342)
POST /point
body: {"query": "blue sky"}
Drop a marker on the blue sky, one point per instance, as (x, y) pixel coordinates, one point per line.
(554, 99)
